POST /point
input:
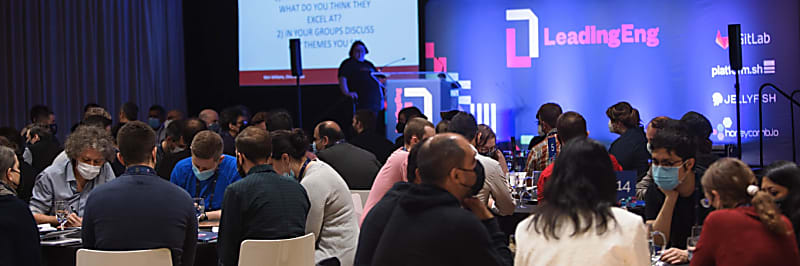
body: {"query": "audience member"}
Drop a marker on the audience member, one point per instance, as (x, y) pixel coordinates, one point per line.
(486, 143)
(232, 121)
(191, 127)
(264, 204)
(115, 211)
(20, 242)
(630, 148)
(395, 169)
(42, 149)
(412, 171)
(496, 185)
(172, 116)
(172, 143)
(571, 127)
(211, 119)
(747, 228)
(9, 138)
(441, 127)
(545, 152)
(782, 181)
(260, 120)
(156, 116)
(129, 112)
(42, 115)
(357, 166)
(97, 121)
(581, 217)
(700, 130)
(443, 232)
(672, 201)
(656, 124)
(331, 217)
(403, 116)
(89, 149)
(206, 173)
(366, 137)
(279, 120)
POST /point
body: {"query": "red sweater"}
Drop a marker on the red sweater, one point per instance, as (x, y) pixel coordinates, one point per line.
(548, 171)
(737, 237)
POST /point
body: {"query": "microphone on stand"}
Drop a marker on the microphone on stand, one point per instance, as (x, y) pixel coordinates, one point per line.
(393, 62)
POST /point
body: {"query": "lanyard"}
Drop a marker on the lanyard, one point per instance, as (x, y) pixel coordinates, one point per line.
(209, 191)
(303, 169)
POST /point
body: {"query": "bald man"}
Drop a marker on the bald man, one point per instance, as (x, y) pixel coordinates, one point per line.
(357, 166)
(211, 118)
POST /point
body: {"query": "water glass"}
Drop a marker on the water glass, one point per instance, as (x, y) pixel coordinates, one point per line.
(691, 241)
(199, 207)
(62, 212)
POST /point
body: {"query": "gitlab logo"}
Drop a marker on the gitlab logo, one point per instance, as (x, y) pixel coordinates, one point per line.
(722, 41)
(745, 39)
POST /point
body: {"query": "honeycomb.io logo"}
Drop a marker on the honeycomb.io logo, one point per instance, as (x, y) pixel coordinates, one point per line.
(724, 130)
(720, 130)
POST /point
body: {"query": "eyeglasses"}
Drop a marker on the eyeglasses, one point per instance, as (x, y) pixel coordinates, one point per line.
(16, 171)
(667, 163)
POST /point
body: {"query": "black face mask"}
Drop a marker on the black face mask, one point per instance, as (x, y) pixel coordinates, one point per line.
(239, 168)
(54, 128)
(480, 178)
(400, 127)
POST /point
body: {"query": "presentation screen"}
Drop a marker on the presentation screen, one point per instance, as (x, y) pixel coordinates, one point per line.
(663, 57)
(326, 30)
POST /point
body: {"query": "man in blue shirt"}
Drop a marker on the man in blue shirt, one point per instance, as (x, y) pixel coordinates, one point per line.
(139, 210)
(207, 173)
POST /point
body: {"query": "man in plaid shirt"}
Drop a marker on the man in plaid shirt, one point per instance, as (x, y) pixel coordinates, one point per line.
(544, 152)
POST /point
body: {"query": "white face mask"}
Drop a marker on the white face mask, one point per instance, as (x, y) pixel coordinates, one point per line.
(88, 171)
(611, 127)
(540, 131)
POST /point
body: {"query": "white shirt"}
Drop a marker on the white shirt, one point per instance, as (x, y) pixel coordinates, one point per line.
(495, 185)
(331, 217)
(625, 243)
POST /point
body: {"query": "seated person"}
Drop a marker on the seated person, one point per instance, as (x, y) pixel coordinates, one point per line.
(115, 212)
(20, 242)
(571, 126)
(89, 149)
(191, 127)
(672, 201)
(583, 218)
(545, 152)
(366, 137)
(747, 227)
(264, 204)
(206, 173)
(782, 181)
(394, 170)
(357, 166)
(331, 216)
(631, 146)
(444, 232)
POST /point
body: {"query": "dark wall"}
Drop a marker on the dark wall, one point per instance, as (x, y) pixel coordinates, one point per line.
(212, 80)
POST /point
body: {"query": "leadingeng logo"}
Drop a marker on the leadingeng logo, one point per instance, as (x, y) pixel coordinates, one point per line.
(724, 130)
(766, 67)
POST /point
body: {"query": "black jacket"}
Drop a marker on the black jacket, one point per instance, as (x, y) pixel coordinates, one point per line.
(425, 225)
(631, 151)
(19, 244)
(43, 154)
(357, 166)
(27, 180)
(165, 166)
(381, 147)
(262, 205)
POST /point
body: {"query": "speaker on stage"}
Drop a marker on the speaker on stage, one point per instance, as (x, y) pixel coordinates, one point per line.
(735, 51)
(294, 49)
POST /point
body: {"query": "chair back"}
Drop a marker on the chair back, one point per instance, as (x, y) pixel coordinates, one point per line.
(150, 257)
(298, 251)
(358, 207)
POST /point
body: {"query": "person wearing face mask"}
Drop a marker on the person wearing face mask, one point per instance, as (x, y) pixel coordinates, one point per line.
(672, 201)
(357, 166)
(232, 121)
(156, 116)
(332, 216)
(172, 143)
(747, 227)
(367, 138)
(190, 128)
(211, 119)
(20, 242)
(583, 218)
(395, 168)
(486, 143)
(450, 225)
(89, 149)
(545, 152)
(652, 127)
(496, 186)
(264, 204)
(631, 146)
(782, 181)
(206, 173)
(115, 212)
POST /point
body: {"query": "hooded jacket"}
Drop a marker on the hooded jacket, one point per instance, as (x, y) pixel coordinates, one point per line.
(425, 225)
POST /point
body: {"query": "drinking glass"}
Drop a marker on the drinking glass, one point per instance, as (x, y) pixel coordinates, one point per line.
(62, 212)
(691, 242)
(199, 207)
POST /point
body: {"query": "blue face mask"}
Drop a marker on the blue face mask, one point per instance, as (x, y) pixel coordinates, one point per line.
(290, 174)
(314, 147)
(204, 175)
(154, 122)
(666, 177)
(214, 127)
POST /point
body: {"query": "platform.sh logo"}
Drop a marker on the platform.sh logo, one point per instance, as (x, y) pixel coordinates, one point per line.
(512, 59)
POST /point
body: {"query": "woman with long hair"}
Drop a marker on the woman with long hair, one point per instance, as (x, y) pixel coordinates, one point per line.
(782, 181)
(579, 225)
(747, 228)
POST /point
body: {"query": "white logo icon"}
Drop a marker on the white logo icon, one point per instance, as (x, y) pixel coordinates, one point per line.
(727, 122)
(769, 66)
(717, 98)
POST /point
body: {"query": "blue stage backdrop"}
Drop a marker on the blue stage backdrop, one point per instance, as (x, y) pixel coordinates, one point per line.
(664, 57)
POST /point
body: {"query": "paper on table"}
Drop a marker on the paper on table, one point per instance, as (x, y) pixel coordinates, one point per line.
(61, 242)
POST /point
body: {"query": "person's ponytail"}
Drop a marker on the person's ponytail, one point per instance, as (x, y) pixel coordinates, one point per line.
(768, 212)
